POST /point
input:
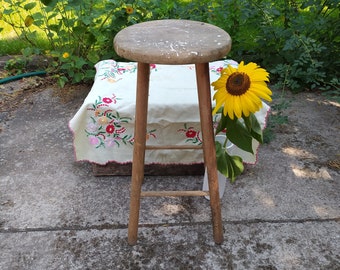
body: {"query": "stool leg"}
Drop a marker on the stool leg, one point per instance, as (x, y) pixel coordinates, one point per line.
(205, 108)
(142, 94)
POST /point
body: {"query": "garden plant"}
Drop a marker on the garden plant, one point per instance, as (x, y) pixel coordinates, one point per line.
(297, 41)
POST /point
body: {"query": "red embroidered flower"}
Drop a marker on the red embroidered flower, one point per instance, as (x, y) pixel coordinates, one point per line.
(219, 69)
(107, 100)
(191, 133)
(110, 129)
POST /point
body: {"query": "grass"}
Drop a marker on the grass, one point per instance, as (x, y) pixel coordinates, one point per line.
(11, 46)
(10, 43)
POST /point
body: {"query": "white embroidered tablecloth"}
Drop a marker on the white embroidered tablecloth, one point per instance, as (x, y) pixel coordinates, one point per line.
(103, 126)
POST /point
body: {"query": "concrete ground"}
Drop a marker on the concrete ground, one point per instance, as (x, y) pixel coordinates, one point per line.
(283, 213)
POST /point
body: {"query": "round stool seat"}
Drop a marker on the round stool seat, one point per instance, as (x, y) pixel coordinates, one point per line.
(173, 42)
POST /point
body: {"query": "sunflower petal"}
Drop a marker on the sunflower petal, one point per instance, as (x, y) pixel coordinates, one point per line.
(261, 94)
(237, 107)
(218, 105)
(220, 83)
(248, 105)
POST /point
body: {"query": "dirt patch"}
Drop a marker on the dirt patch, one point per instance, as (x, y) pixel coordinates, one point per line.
(20, 92)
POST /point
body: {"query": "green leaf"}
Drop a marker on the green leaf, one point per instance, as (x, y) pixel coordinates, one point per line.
(222, 124)
(61, 81)
(229, 166)
(238, 134)
(78, 77)
(237, 165)
(49, 2)
(30, 6)
(222, 162)
(93, 57)
(79, 63)
(254, 127)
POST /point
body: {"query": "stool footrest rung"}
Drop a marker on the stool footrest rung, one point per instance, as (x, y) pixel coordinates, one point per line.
(174, 193)
(172, 147)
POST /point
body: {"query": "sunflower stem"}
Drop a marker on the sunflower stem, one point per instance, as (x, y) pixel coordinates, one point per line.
(225, 142)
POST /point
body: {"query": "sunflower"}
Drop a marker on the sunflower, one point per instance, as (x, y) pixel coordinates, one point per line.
(240, 90)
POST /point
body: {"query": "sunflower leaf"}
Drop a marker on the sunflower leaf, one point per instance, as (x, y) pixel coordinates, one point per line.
(237, 165)
(238, 134)
(229, 166)
(222, 124)
(255, 127)
(222, 164)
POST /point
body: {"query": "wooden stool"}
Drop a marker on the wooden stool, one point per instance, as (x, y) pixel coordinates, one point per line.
(173, 42)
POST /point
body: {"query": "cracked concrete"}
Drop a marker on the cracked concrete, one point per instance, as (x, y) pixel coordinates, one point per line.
(283, 213)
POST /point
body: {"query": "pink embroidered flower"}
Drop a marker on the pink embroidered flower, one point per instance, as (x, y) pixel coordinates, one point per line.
(110, 129)
(191, 133)
(94, 140)
(219, 69)
(107, 100)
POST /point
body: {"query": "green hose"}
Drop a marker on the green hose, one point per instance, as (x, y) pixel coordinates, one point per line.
(17, 77)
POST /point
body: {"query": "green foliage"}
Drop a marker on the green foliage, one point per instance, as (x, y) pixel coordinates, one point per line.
(18, 64)
(296, 40)
(241, 133)
(83, 30)
(229, 166)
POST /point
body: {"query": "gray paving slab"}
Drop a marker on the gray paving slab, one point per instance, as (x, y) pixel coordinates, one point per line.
(308, 245)
(283, 213)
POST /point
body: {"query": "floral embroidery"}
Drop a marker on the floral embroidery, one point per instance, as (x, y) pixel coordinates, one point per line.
(216, 69)
(153, 67)
(107, 100)
(151, 133)
(192, 135)
(113, 70)
(110, 129)
(106, 127)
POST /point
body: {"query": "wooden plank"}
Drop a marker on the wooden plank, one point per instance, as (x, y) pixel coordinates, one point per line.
(174, 193)
(173, 147)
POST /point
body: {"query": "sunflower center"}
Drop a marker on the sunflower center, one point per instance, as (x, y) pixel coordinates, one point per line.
(238, 83)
